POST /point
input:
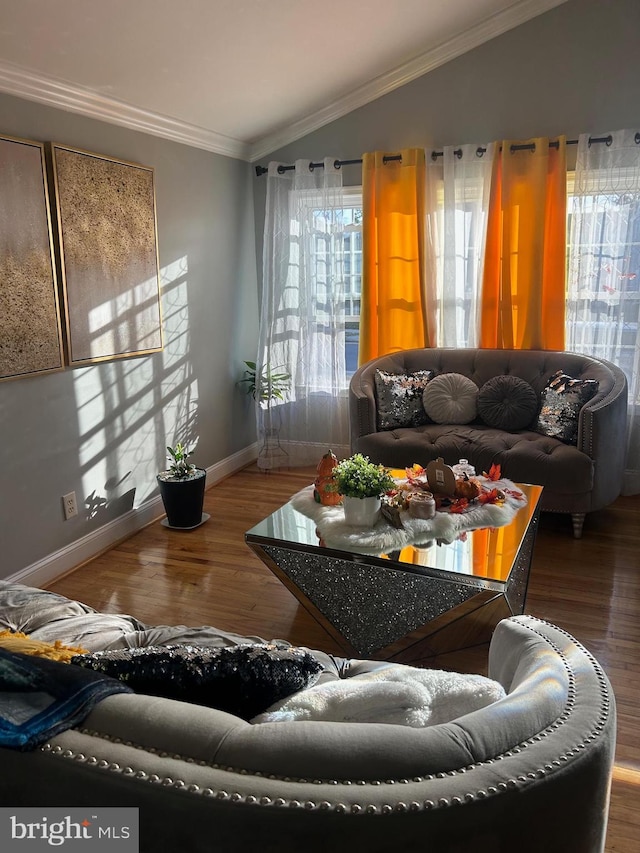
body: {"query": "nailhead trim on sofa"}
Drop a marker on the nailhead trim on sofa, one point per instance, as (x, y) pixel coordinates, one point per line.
(365, 807)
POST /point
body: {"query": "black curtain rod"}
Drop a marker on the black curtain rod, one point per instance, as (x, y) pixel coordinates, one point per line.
(388, 158)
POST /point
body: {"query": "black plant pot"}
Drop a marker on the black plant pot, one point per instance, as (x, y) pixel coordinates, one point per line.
(183, 500)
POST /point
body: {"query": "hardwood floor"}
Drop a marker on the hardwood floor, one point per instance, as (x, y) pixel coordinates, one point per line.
(590, 587)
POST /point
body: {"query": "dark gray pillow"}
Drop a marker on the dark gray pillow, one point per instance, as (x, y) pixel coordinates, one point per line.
(399, 399)
(507, 402)
(562, 399)
(243, 680)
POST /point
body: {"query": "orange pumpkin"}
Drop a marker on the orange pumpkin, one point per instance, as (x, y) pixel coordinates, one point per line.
(325, 487)
(466, 488)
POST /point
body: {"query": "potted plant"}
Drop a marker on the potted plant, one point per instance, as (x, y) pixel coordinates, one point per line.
(182, 489)
(267, 386)
(362, 483)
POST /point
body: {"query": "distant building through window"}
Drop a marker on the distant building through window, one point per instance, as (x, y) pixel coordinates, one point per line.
(603, 273)
(604, 283)
(337, 262)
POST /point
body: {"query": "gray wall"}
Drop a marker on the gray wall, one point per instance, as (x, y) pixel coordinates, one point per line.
(572, 70)
(101, 430)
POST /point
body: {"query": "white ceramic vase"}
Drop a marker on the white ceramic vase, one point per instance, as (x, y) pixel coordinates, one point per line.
(361, 512)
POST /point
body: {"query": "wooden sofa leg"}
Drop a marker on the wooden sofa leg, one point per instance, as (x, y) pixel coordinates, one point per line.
(577, 519)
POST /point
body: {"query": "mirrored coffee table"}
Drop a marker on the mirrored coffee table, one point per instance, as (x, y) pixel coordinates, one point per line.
(408, 605)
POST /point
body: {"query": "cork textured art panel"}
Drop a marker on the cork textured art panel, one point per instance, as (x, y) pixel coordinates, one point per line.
(109, 259)
(30, 331)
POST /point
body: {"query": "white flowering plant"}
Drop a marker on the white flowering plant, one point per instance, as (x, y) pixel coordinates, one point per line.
(358, 477)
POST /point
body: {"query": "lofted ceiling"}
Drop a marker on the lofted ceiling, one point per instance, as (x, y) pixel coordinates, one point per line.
(240, 77)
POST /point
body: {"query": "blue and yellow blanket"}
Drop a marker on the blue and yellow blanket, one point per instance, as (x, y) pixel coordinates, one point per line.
(40, 698)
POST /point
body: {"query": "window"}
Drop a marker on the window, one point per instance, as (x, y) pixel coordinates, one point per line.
(603, 273)
(336, 257)
(603, 268)
(457, 200)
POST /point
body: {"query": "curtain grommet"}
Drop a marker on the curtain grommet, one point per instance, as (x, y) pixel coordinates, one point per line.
(606, 139)
(636, 138)
(281, 169)
(337, 164)
(458, 153)
(480, 151)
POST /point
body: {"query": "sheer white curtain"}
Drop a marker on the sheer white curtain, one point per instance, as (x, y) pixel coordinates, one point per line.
(302, 330)
(603, 288)
(458, 187)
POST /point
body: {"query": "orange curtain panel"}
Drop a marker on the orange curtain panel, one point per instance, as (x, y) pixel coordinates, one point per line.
(395, 311)
(494, 551)
(523, 291)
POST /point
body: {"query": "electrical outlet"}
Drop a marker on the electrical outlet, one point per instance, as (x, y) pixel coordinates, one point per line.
(69, 505)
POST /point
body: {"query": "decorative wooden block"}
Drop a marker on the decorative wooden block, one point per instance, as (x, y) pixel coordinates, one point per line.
(440, 477)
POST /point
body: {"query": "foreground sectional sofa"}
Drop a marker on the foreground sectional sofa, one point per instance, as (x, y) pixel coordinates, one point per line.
(579, 476)
(529, 772)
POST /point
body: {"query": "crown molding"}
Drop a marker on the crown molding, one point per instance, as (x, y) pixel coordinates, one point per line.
(494, 26)
(18, 81)
(15, 80)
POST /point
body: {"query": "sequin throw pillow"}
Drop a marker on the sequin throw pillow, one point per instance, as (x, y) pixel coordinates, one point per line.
(399, 398)
(243, 680)
(562, 399)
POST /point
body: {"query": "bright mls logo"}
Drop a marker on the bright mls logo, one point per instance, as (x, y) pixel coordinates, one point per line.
(80, 830)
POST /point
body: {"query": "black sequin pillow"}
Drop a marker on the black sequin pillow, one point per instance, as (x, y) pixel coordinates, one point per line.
(399, 398)
(507, 402)
(562, 399)
(243, 680)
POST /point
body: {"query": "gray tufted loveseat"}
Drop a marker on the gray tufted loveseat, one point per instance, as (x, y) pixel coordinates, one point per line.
(576, 479)
(530, 772)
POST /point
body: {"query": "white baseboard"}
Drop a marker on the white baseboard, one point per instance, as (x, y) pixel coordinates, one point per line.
(55, 565)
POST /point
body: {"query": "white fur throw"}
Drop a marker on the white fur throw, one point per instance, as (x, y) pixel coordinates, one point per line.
(395, 693)
(383, 538)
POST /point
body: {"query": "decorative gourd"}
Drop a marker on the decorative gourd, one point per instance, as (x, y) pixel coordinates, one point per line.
(325, 490)
(466, 488)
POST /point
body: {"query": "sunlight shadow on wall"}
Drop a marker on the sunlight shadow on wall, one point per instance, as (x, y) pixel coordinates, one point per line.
(130, 409)
(126, 323)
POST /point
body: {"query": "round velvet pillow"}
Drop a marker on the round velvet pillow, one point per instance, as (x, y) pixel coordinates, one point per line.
(451, 398)
(507, 402)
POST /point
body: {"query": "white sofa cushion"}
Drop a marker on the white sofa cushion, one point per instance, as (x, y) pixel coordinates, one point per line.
(395, 693)
(451, 398)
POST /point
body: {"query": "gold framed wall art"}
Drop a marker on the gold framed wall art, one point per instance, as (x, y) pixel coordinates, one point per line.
(106, 218)
(30, 328)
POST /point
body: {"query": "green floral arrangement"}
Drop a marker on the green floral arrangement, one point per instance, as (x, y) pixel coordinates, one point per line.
(358, 477)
